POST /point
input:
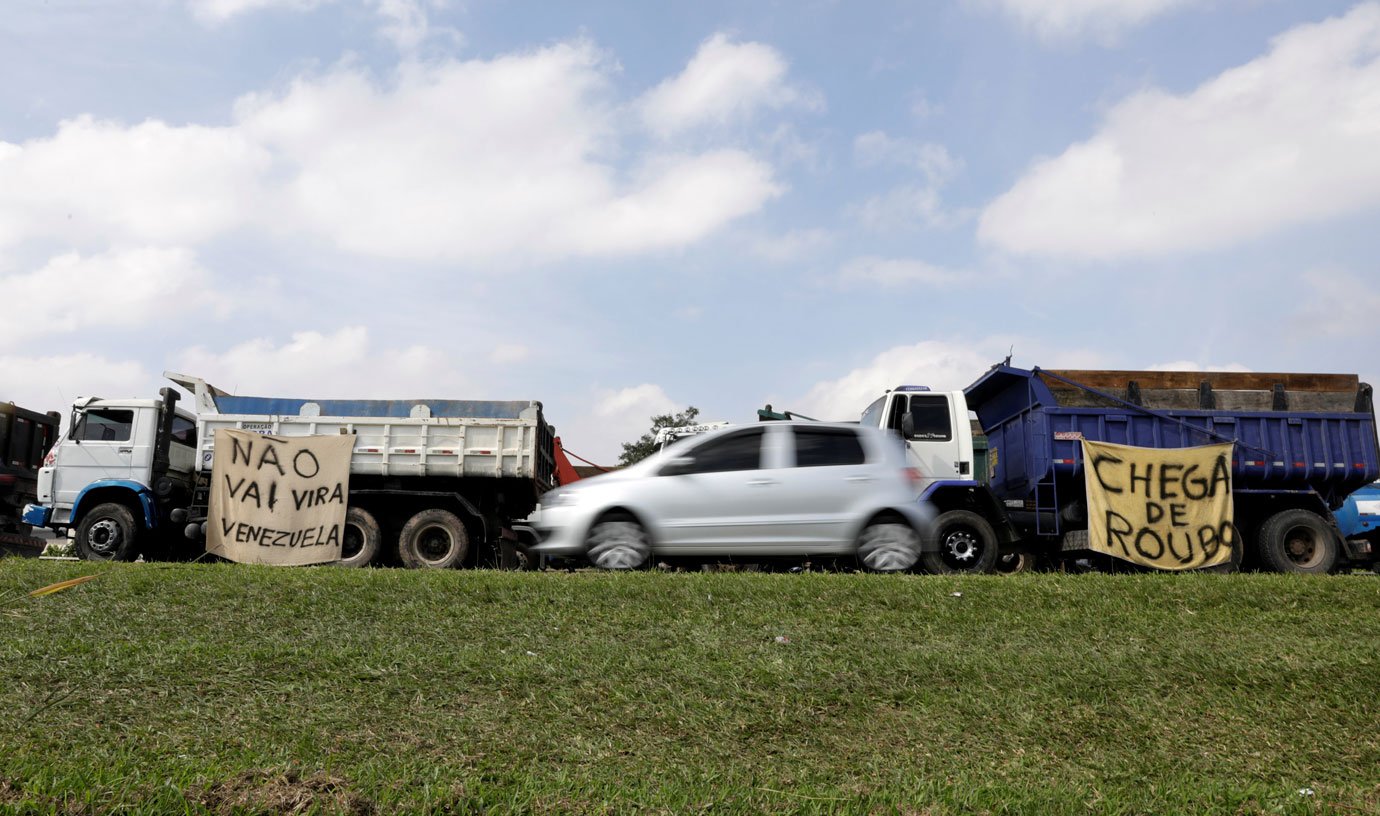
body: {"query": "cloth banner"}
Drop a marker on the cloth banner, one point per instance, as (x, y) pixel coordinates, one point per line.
(1167, 508)
(278, 499)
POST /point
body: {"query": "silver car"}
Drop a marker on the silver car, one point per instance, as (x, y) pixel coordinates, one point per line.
(765, 491)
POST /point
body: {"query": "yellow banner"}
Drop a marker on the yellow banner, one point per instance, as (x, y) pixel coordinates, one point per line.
(278, 499)
(1167, 508)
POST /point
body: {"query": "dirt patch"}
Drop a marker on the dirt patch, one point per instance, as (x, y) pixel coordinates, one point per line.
(282, 792)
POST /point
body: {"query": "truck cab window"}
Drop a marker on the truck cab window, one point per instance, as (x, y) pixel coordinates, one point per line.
(105, 425)
(824, 447)
(931, 413)
(184, 432)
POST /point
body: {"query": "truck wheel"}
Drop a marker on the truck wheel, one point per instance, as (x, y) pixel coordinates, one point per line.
(618, 543)
(965, 542)
(1233, 562)
(108, 533)
(361, 540)
(888, 546)
(1014, 562)
(1297, 541)
(434, 539)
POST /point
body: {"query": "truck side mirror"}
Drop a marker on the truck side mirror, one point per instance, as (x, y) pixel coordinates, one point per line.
(907, 425)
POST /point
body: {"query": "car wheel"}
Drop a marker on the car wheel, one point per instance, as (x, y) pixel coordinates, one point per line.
(1297, 541)
(888, 546)
(433, 539)
(618, 543)
(965, 543)
(108, 533)
(361, 540)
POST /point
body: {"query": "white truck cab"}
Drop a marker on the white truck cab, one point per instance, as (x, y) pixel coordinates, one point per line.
(939, 433)
(115, 474)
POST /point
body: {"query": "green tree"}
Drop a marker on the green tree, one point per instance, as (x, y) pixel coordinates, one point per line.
(634, 452)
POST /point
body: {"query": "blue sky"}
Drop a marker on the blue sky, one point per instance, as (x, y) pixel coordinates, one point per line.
(621, 209)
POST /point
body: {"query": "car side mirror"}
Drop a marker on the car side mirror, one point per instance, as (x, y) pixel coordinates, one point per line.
(907, 425)
(678, 466)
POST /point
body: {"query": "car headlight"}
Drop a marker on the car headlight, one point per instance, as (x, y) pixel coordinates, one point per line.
(559, 498)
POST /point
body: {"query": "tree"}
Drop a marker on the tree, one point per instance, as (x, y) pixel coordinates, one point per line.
(634, 452)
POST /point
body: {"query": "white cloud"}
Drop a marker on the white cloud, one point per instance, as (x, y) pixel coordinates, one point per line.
(1288, 138)
(940, 364)
(218, 11)
(1338, 304)
(1103, 20)
(52, 382)
(1193, 365)
(474, 161)
(610, 417)
(876, 148)
(724, 82)
(791, 246)
(943, 365)
(97, 181)
(905, 207)
(312, 364)
(870, 270)
(119, 289)
(405, 23)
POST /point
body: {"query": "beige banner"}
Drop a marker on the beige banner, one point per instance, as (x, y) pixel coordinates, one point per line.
(277, 499)
(1168, 508)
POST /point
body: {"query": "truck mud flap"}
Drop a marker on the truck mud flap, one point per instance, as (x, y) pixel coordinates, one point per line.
(21, 545)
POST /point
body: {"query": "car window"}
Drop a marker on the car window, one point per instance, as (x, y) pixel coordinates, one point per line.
(822, 447)
(739, 451)
(105, 425)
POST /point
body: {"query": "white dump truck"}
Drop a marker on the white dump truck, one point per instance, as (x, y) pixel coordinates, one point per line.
(433, 482)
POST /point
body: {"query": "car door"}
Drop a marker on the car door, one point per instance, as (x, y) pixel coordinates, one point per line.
(709, 499)
(824, 489)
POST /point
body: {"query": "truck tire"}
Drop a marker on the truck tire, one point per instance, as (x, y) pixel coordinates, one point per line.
(361, 540)
(965, 543)
(433, 539)
(1297, 541)
(1233, 562)
(1014, 562)
(108, 533)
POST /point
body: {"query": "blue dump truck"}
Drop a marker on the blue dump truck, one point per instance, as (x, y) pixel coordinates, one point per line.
(1359, 519)
(1302, 443)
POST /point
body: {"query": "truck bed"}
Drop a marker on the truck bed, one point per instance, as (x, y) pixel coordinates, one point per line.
(1304, 432)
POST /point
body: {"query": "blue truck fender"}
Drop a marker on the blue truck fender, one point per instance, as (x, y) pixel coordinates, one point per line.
(142, 491)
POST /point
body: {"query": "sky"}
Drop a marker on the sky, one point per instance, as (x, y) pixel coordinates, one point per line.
(622, 209)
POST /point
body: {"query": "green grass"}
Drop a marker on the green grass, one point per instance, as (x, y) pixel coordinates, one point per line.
(236, 689)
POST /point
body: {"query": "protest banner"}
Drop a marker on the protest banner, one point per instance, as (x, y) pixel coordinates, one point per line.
(1167, 508)
(278, 500)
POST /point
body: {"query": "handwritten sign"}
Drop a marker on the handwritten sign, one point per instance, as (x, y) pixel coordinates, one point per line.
(1168, 508)
(278, 500)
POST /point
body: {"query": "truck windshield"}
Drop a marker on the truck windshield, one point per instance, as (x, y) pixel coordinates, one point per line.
(104, 425)
(873, 415)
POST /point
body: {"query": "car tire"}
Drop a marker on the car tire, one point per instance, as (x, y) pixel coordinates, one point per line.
(361, 539)
(1298, 541)
(888, 546)
(108, 533)
(964, 543)
(618, 542)
(433, 539)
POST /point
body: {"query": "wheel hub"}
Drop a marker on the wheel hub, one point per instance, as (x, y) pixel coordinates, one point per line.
(104, 536)
(961, 545)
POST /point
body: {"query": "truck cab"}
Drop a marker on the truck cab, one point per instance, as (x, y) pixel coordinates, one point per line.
(970, 528)
(115, 475)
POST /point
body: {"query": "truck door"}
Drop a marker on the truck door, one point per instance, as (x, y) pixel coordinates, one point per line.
(102, 445)
(937, 438)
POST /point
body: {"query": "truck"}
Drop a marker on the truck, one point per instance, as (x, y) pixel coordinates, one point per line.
(433, 482)
(1359, 519)
(25, 439)
(1303, 444)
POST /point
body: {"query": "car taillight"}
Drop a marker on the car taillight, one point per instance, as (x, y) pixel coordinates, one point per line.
(915, 476)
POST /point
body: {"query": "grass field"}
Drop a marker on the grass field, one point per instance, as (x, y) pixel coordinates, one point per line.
(236, 689)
